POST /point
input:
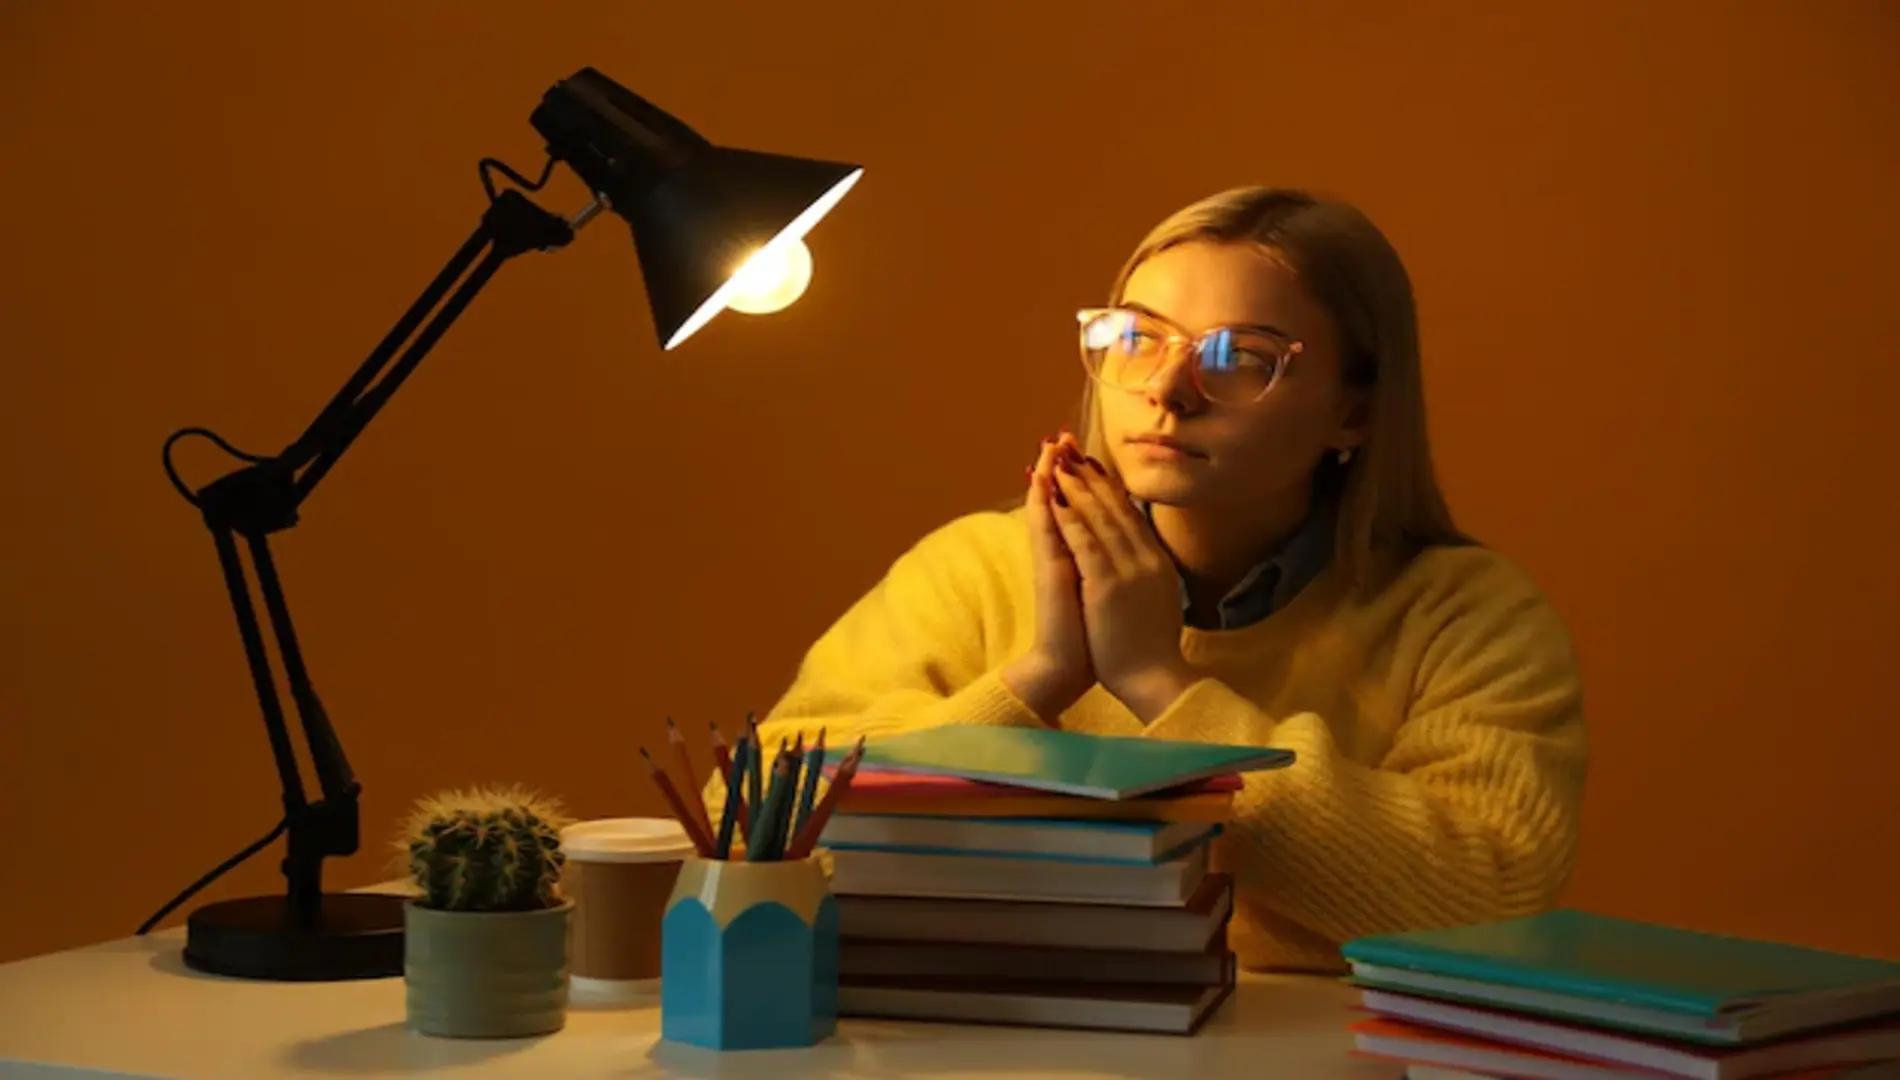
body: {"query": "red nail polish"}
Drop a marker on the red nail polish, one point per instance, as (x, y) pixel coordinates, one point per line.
(1096, 465)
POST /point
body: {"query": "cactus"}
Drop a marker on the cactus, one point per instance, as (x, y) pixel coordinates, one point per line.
(486, 850)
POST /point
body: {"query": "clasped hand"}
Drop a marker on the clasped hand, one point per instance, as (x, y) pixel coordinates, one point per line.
(1096, 547)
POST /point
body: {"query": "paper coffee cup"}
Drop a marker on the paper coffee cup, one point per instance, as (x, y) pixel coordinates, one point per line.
(620, 873)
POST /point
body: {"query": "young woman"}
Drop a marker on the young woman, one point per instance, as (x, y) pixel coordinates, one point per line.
(1247, 544)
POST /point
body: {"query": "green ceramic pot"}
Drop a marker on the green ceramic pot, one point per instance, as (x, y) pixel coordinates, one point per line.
(486, 974)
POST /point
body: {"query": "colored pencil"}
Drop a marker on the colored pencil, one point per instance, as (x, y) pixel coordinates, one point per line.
(755, 776)
(757, 765)
(782, 824)
(721, 752)
(735, 806)
(807, 837)
(759, 845)
(813, 764)
(696, 801)
(722, 755)
(701, 842)
(785, 780)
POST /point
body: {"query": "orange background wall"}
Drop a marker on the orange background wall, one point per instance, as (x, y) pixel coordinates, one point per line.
(1654, 248)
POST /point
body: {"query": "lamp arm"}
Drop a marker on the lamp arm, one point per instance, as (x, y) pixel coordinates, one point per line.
(265, 497)
(512, 226)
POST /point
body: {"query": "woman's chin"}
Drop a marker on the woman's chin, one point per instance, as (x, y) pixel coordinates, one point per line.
(1163, 486)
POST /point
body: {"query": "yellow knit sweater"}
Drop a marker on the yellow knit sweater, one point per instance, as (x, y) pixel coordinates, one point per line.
(1438, 727)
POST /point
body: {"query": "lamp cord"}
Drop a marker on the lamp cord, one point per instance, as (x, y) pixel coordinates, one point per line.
(217, 872)
(171, 472)
(488, 182)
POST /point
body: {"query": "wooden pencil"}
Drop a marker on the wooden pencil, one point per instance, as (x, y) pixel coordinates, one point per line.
(695, 795)
(760, 846)
(782, 824)
(735, 805)
(807, 837)
(723, 756)
(701, 842)
(755, 773)
(814, 762)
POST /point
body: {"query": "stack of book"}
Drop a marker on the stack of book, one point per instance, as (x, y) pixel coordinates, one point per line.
(1573, 995)
(1018, 876)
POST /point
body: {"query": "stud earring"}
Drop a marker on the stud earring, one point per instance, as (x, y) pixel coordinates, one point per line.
(1345, 455)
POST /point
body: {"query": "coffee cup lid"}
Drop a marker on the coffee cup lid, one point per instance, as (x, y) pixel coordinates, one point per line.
(626, 840)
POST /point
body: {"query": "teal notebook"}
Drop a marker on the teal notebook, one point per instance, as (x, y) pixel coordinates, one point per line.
(1571, 959)
(1067, 762)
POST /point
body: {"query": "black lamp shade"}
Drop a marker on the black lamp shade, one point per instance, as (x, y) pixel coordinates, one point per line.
(698, 210)
(699, 226)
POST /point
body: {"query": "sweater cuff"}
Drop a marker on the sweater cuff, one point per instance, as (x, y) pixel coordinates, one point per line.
(991, 702)
(1209, 711)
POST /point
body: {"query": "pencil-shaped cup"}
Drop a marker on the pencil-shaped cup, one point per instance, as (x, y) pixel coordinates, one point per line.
(749, 956)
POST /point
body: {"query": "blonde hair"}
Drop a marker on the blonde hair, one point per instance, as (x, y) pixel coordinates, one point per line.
(1390, 504)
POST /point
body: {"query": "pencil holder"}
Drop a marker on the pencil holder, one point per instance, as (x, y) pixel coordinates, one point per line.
(749, 955)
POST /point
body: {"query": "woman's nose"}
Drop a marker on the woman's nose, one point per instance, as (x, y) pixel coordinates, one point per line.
(1173, 388)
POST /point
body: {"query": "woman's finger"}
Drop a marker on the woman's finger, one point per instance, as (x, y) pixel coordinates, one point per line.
(1038, 505)
(1119, 550)
(1135, 523)
(1045, 535)
(1110, 491)
(1092, 503)
(1091, 561)
(1090, 469)
(1067, 443)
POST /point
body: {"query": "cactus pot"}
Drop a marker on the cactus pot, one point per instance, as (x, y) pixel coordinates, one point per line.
(486, 974)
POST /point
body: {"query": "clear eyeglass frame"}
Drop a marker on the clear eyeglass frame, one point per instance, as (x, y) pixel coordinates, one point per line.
(1219, 344)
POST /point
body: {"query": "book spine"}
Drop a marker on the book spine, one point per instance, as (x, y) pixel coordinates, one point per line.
(1178, 851)
(1207, 809)
(1506, 973)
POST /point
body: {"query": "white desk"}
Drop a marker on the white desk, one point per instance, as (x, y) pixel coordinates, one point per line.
(131, 1008)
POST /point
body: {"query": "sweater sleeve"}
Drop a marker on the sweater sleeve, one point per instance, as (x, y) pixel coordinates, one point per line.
(1473, 813)
(907, 655)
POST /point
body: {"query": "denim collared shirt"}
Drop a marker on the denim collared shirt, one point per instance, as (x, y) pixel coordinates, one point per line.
(1275, 580)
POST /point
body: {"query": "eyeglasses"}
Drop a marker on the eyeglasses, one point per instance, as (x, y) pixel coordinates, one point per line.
(1128, 349)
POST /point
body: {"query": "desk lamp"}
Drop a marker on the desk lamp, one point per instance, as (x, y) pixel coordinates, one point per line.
(714, 227)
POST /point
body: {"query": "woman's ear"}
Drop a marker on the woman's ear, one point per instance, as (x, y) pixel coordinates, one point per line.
(1355, 422)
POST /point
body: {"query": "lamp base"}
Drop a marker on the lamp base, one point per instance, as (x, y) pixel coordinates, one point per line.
(359, 936)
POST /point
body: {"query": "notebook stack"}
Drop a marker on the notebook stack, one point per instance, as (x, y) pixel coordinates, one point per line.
(1017, 876)
(1572, 995)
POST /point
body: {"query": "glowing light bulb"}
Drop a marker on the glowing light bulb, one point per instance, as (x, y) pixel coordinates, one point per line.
(771, 279)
